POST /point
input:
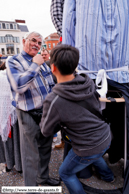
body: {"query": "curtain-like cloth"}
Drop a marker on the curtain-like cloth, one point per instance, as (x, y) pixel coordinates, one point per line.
(8, 115)
(100, 30)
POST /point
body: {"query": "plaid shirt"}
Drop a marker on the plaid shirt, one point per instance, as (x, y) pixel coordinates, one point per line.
(30, 83)
(56, 11)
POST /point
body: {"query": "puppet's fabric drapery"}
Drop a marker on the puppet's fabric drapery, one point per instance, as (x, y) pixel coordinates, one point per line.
(8, 115)
(100, 30)
(9, 130)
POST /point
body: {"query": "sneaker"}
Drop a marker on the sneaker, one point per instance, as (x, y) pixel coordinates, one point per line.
(7, 170)
(112, 181)
(61, 145)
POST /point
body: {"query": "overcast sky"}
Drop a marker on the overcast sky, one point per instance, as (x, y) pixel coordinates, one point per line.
(36, 13)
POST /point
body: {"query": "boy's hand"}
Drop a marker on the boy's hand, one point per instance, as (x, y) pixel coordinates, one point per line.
(38, 59)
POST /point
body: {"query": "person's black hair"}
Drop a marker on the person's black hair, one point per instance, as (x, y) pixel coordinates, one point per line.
(65, 58)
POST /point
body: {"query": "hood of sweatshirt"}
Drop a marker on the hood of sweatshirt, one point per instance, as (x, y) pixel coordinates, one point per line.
(80, 88)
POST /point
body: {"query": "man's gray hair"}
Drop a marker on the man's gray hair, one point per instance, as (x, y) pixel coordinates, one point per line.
(28, 34)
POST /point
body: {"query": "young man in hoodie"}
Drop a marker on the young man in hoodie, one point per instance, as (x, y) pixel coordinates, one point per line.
(74, 103)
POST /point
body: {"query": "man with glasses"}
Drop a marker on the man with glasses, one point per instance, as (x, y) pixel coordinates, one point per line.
(31, 80)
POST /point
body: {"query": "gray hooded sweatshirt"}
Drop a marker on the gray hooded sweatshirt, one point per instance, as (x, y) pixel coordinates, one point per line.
(88, 132)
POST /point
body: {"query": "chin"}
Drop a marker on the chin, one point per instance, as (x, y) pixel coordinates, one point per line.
(33, 54)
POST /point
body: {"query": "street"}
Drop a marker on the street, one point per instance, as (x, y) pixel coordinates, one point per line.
(13, 178)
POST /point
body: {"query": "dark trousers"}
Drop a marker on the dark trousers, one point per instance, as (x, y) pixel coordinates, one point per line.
(35, 150)
(124, 88)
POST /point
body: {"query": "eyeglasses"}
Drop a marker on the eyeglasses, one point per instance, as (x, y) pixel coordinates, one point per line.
(34, 41)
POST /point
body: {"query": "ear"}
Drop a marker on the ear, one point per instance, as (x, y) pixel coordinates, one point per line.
(53, 68)
(23, 41)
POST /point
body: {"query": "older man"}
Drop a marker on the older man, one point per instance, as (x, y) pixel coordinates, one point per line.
(31, 80)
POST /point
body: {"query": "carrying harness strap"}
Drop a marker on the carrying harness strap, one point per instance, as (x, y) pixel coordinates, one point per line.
(111, 99)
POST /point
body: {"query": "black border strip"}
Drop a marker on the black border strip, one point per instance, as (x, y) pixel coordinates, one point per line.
(91, 190)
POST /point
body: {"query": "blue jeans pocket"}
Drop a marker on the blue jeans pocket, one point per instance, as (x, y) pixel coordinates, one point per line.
(90, 159)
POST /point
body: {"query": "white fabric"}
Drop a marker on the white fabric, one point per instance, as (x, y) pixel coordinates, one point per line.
(7, 111)
(103, 88)
(102, 78)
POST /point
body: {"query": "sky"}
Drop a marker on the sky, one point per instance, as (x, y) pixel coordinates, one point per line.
(36, 13)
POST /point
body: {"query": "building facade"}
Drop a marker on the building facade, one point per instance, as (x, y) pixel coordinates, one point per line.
(11, 35)
(51, 41)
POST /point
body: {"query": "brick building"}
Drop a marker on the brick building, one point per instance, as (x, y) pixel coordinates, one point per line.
(51, 41)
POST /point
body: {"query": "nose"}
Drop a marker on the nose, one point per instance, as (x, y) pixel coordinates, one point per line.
(36, 43)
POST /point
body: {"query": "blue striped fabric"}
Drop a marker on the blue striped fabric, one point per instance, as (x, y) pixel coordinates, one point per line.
(29, 82)
(100, 30)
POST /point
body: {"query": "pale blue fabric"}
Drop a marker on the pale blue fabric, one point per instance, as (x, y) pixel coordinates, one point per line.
(100, 30)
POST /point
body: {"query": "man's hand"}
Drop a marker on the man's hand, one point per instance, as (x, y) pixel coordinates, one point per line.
(38, 59)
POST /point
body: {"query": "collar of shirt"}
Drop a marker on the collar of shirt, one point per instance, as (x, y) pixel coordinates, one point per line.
(26, 56)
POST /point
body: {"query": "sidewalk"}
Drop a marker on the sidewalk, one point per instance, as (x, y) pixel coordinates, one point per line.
(13, 178)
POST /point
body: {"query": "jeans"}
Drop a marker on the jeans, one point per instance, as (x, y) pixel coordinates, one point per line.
(74, 163)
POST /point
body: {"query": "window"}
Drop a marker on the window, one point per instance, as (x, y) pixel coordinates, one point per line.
(49, 45)
(17, 39)
(9, 38)
(7, 26)
(18, 50)
(15, 26)
(6, 39)
(53, 44)
(2, 39)
(10, 48)
(3, 26)
(11, 26)
(3, 51)
(14, 39)
(0, 26)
